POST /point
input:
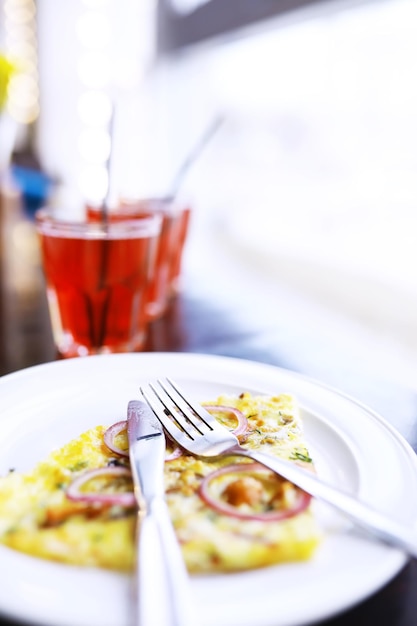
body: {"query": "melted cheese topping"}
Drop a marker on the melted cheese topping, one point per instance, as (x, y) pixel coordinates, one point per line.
(36, 516)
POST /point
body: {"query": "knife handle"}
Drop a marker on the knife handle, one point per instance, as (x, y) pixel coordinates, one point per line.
(163, 588)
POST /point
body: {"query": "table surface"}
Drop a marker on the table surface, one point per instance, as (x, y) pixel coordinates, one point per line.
(216, 313)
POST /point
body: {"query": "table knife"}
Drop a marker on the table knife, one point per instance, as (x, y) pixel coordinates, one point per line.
(162, 594)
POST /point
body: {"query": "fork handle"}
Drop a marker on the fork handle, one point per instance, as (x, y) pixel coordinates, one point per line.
(374, 522)
(163, 587)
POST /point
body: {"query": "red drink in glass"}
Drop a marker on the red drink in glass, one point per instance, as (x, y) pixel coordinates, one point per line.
(182, 227)
(167, 246)
(97, 278)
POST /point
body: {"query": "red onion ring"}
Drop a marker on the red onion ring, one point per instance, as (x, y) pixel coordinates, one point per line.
(126, 499)
(111, 433)
(302, 501)
(242, 422)
(118, 427)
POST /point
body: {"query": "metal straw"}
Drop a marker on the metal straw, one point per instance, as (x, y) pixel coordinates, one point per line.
(192, 156)
(104, 209)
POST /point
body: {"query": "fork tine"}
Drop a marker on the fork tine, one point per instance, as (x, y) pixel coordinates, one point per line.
(194, 414)
(174, 410)
(178, 434)
(178, 409)
(188, 424)
(185, 403)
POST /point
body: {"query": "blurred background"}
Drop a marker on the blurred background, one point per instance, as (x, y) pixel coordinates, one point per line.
(309, 181)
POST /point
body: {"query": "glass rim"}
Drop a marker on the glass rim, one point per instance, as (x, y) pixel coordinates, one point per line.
(47, 223)
(129, 205)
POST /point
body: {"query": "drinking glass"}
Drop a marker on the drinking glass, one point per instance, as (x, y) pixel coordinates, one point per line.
(182, 224)
(170, 244)
(97, 279)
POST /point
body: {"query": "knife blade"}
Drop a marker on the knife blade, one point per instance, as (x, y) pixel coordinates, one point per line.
(161, 582)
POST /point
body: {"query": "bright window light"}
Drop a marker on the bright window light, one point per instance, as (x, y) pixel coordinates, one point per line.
(94, 69)
(93, 182)
(95, 4)
(94, 145)
(95, 108)
(21, 46)
(93, 30)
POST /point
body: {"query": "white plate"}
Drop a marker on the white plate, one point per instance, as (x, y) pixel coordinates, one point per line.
(45, 406)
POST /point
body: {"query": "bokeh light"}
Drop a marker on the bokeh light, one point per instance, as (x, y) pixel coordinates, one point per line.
(21, 47)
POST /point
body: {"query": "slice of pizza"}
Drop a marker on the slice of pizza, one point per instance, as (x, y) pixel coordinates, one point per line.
(229, 514)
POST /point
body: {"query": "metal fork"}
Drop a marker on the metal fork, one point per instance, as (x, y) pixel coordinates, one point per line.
(198, 432)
